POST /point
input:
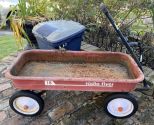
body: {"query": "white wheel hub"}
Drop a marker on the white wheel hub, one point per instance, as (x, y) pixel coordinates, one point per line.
(120, 107)
(26, 105)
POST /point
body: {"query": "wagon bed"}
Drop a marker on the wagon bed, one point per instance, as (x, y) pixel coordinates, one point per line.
(74, 70)
(77, 70)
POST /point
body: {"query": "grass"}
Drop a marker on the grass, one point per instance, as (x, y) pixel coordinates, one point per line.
(7, 46)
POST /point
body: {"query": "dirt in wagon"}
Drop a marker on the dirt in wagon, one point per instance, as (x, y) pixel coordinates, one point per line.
(78, 70)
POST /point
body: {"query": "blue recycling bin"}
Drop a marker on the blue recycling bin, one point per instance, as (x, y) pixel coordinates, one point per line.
(59, 33)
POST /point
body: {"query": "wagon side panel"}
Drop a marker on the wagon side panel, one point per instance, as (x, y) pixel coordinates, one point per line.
(74, 85)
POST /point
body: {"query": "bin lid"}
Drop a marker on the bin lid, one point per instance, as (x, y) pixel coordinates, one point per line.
(58, 30)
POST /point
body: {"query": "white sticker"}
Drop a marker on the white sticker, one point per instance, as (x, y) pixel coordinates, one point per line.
(103, 84)
(49, 83)
(96, 84)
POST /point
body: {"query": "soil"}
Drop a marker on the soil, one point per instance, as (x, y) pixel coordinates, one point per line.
(77, 70)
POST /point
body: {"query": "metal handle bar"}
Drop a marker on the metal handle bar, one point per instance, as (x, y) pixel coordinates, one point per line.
(133, 44)
(124, 41)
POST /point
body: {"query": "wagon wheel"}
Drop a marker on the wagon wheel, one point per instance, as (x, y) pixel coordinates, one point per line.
(26, 103)
(120, 105)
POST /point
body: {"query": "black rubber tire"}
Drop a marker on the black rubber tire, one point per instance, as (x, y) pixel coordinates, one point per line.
(30, 94)
(127, 96)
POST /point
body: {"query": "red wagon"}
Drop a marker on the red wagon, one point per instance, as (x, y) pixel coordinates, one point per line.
(78, 71)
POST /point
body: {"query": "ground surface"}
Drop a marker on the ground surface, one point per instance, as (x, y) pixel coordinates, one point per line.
(69, 108)
(7, 44)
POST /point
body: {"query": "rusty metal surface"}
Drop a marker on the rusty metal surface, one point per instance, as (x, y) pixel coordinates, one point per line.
(74, 83)
(78, 70)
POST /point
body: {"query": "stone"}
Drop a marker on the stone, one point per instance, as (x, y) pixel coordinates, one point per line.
(60, 111)
(136, 121)
(100, 118)
(49, 104)
(52, 94)
(2, 67)
(146, 70)
(137, 95)
(4, 104)
(84, 112)
(61, 98)
(81, 122)
(2, 116)
(4, 80)
(17, 120)
(8, 92)
(118, 122)
(150, 77)
(7, 58)
(1, 96)
(42, 120)
(129, 122)
(79, 100)
(14, 54)
(78, 92)
(5, 86)
(68, 121)
(11, 113)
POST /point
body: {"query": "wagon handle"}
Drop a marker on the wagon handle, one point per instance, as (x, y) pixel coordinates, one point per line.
(124, 40)
(104, 8)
